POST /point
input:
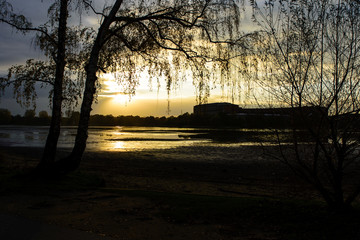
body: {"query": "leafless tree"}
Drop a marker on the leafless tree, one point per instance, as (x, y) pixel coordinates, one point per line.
(309, 56)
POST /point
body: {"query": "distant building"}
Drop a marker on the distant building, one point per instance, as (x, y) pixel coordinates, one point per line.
(232, 109)
(303, 117)
(309, 112)
(263, 117)
(216, 108)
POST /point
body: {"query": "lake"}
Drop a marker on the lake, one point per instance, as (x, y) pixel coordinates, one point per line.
(134, 138)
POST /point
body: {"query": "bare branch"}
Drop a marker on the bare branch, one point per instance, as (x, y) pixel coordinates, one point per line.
(26, 29)
(29, 79)
(88, 4)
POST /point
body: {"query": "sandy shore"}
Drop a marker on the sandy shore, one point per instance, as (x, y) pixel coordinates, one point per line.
(245, 171)
(242, 170)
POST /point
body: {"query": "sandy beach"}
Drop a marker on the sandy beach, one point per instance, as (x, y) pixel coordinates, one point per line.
(230, 171)
(117, 207)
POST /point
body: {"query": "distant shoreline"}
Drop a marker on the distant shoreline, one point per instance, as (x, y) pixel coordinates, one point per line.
(184, 120)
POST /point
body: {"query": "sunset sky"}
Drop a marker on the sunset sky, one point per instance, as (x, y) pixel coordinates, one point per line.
(16, 48)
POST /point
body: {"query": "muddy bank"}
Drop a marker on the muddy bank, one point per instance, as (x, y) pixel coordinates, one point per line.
(241, 170)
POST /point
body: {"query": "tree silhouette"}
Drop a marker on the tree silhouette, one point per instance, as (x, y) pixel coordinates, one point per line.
(59, 43)
(161, 38)
(5, 116)
(29, 114)
(43, 114)
(309, 55)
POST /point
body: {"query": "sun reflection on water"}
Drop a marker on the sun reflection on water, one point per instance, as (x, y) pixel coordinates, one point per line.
(119, 145)
(120, 139)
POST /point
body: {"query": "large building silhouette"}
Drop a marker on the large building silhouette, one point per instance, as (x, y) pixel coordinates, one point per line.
(261, 117)
(216, 108)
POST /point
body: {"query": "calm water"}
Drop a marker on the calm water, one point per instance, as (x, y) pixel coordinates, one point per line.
(131, 138)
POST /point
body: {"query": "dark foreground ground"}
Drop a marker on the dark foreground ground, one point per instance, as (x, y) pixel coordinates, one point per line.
(185, 193)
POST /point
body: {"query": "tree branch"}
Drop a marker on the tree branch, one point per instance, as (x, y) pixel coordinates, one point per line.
(26, 79)
(93, 9)
(25, 29)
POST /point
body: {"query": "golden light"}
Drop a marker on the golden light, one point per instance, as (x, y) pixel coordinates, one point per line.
(120, 98)
(111, 89)
(151, 97)
(119, 145)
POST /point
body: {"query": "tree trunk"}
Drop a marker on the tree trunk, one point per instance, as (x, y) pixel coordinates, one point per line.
(72, 162)
(49, 153)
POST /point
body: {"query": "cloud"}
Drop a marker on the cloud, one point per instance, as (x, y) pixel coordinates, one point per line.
(15, 108)
(145, 107)
(110, 94)
(15, 47)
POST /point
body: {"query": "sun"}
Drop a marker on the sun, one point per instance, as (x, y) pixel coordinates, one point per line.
(120, 98)
(112, 90)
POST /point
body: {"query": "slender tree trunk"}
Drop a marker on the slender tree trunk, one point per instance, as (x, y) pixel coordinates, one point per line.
(48, 157)
(72, 162)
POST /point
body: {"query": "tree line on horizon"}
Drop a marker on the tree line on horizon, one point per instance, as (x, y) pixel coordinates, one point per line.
(183, 120)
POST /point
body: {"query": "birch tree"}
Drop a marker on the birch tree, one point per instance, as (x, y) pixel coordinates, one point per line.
(163, 38)
(60, 44)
